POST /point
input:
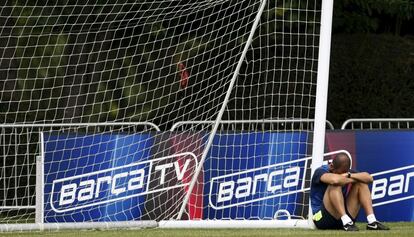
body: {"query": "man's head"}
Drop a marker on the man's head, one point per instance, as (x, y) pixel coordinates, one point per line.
(340, 164)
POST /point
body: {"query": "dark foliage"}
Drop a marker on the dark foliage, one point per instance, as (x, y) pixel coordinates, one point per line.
(371, 76)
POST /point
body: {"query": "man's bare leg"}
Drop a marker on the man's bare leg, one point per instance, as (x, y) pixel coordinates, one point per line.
(358, 196)
(334, 202)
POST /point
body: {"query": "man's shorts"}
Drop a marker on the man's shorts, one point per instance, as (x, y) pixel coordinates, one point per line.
(324, 220)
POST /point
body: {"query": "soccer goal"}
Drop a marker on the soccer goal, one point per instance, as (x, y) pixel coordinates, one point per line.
(126, 113)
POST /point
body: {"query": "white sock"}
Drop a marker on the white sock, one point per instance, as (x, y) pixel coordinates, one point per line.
(371, 218)
(346, 219)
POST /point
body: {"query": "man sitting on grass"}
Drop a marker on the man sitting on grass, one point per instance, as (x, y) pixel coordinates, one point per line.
(337, 193)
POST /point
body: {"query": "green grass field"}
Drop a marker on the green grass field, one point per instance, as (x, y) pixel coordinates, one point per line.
(397, 229)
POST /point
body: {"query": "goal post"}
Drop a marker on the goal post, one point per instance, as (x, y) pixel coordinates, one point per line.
(322, 90)
(207, 114)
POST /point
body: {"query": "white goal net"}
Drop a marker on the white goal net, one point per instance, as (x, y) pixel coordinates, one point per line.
(136, 111)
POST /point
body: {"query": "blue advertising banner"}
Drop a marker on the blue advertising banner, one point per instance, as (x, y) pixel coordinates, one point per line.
(105, 177)
(85, 175)
(240, 187)
(389, 157)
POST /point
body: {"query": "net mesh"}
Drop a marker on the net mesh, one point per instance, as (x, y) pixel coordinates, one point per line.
(121, 97)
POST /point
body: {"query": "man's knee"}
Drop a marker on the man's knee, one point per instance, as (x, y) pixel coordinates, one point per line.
(359, 184)
(333, 194)
(360, 187)
(334, 188)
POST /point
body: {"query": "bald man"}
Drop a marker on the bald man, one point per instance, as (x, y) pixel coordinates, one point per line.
(337, 193)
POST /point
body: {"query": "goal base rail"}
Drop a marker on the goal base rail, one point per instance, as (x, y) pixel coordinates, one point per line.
(77, 225)
(170, 224)
(220, 224)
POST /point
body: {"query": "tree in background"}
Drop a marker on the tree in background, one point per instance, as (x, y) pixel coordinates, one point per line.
(372, 60)
(374, 16)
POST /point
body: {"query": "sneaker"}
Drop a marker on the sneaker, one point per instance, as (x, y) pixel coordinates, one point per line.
(350, 227)
(376, 225)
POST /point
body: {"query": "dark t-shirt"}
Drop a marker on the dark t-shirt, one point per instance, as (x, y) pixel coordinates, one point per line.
(318, 188)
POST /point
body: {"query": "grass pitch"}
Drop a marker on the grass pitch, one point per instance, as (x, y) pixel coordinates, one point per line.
(398, 229)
